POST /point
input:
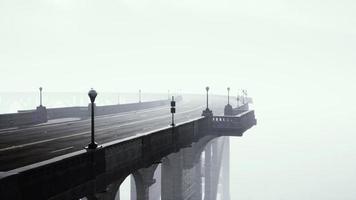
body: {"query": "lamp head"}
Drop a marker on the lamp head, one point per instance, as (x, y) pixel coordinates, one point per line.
(92, 95)
(207, 88)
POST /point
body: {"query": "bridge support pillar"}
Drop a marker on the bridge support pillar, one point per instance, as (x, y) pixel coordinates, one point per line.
(181, 176)
(143, 179)
(171, 182)
(207, 173)
(198, 193)
(212, 170)
(226, 170)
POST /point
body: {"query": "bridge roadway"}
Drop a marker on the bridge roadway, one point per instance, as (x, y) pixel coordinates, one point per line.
(28, 145)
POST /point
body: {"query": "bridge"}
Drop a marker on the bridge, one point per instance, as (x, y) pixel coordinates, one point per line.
(38, 164)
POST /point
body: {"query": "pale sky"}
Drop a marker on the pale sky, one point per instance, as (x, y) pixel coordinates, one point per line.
(123, 45)
(296, 59)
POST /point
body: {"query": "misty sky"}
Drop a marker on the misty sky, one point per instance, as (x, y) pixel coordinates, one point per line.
(296, 58)
(284, 47)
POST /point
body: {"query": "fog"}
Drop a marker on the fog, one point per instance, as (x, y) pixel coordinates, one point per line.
(295, 58)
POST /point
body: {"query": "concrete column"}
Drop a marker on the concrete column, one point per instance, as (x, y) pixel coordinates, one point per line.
(226, 170)
(133, 190)
(198, 181)
(215, 168)
(212, 170)
(141, 181)
(155, 189)
(179, 176)
(172, 173)
(207, 173)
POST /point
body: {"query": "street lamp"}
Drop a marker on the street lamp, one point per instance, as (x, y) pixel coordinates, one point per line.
(139, 96)
(207, 97)
(92, 95)
(173, 110)
(238, 100)
(228, 95)
(40, 96)
(207, 112)
(244, 96)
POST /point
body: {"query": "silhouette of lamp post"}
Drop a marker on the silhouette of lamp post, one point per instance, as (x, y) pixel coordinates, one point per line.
(173, 110)
(92, 95)
(228, 95)
(228, 108)
(238, 100)
(40, 96)
(207, 97)
(207, 112)
(244, 96)
(139, 96)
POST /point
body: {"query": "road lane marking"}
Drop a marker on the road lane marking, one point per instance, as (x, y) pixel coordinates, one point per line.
(62, 149)
(97, 130)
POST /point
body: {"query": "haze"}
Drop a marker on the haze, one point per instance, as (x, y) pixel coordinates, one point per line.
(296, 59)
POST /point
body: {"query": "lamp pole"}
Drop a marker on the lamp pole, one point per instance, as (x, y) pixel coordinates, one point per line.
(228, 95)
(173, 110)
(40, 96)
(92, 95)
(139, 95)
(207, 97)
(238, 100)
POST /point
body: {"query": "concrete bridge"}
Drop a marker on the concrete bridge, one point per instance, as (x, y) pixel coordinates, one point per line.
(190, 155)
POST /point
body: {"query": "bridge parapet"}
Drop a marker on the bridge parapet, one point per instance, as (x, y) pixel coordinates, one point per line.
(232, 124)
(240, 109)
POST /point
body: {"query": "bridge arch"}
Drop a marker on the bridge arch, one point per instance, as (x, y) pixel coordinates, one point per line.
(200, 147)
(134, 186)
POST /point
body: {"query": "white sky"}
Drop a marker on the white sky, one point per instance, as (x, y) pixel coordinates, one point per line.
(122, 45)
(292, 56)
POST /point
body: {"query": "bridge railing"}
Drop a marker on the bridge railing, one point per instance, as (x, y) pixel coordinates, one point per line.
(233, 122)
(241, 109)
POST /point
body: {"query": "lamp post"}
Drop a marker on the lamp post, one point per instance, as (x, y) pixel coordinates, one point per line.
(207, 112)
(228, 95)
(139, 96)
(238, 100)
(207, 97)
(40, 96)
(92, 95)
(244, 96)
(173, 110)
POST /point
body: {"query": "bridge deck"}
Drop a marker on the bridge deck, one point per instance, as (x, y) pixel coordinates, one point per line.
(23, 146)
